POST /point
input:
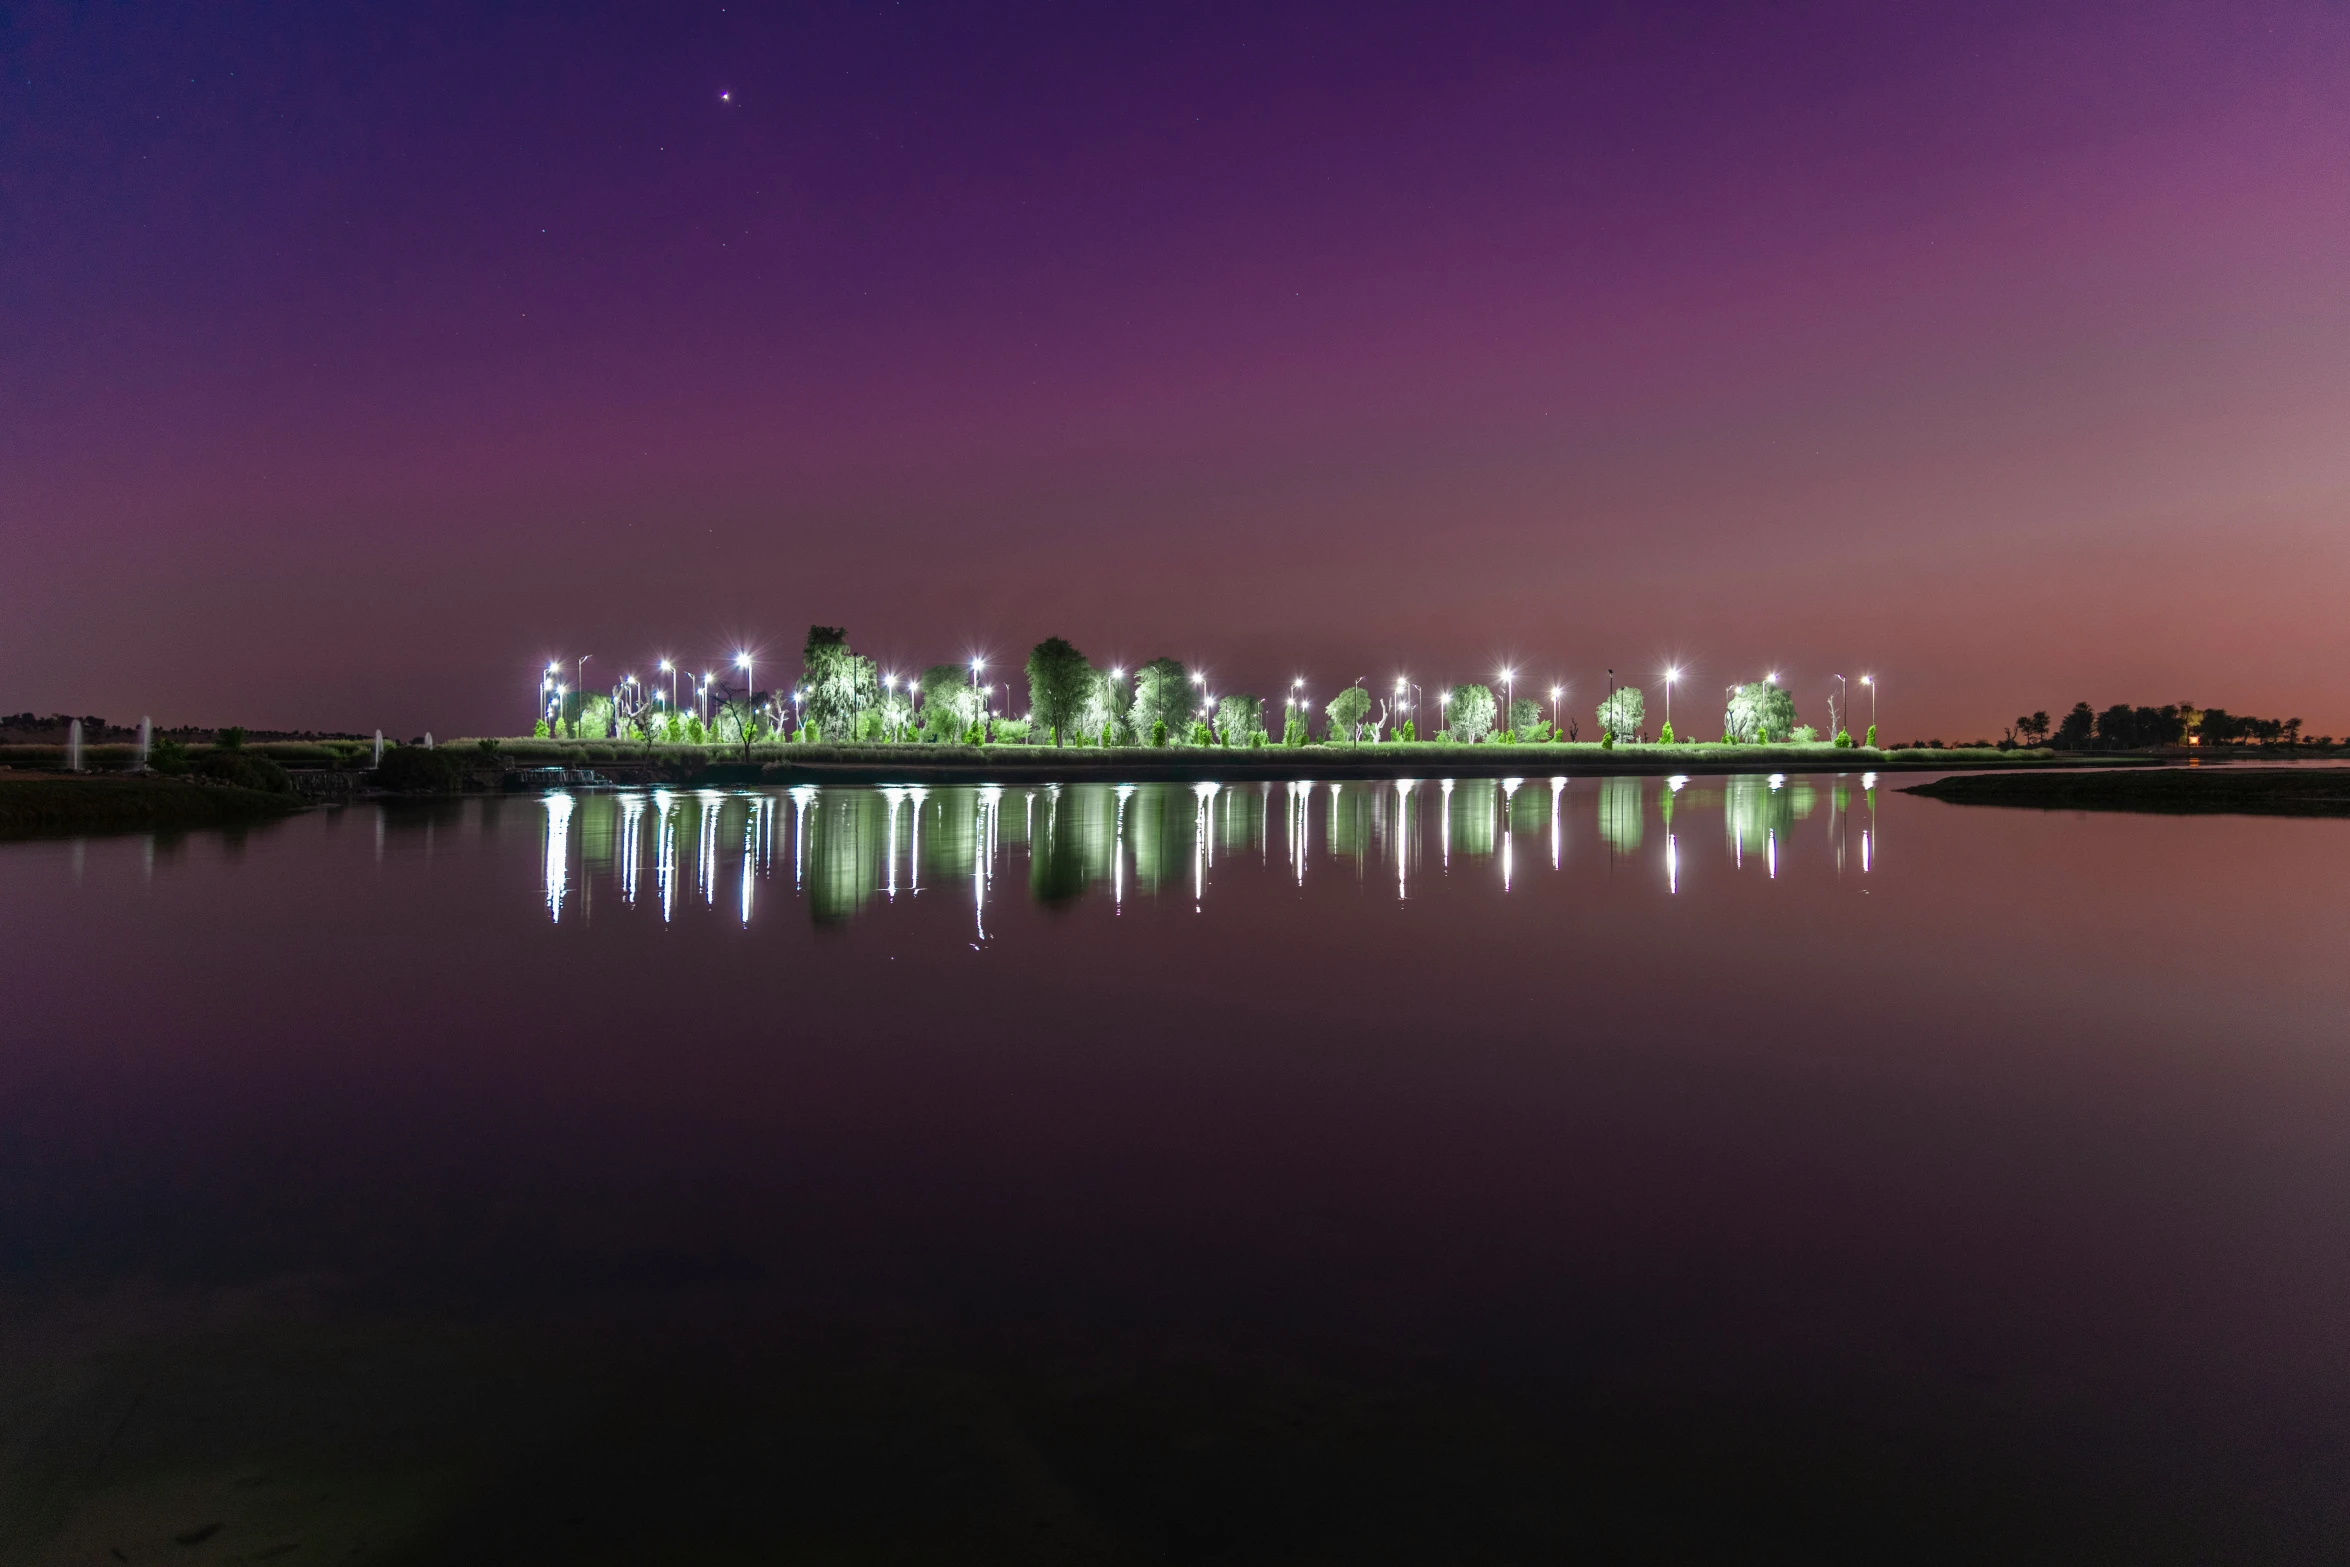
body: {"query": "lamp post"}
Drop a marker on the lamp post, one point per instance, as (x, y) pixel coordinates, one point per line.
(707, 677)
(1443, 709)
(742, 661)
(889, 688)
(1871, 682)
(977, 665)
(669, 668)
(1843, 701)
(1671, 675)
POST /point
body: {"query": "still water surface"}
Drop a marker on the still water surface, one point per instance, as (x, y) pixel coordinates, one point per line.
(1760, 1168)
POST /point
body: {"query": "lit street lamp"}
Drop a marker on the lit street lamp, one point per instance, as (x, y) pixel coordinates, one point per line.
(1509, 690)
(1871, 682)
(742, 661)
(1671, 675)
(669, 668)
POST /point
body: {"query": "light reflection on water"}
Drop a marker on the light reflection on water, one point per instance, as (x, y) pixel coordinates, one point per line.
(850, 846)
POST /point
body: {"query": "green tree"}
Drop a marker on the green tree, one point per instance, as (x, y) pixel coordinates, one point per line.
(949, 701)
(1347, 711)
(738, 723)
(2078, 725)
(1162, 695)
(839, 684)
(1237, 717)
(1103, 714)
(1058, 682)
(587, 715)
(1526, 718)
(1759, 712)
(1294, 731)
(1468, 717)
(1622, 714)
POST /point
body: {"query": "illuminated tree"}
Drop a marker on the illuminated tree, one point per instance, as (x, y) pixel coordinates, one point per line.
(1759, 711)
(1162, 695)
(840, 685)
(1347, 711)
(1468, 717)
(1238, 717)
(1623, 712)
(1102, 717)
(950, 703)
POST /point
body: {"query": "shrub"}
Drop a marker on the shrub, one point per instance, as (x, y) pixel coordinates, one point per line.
(232, 765)
(1012, 731)
(1159, 732)
(1200, 733)
(538, 731)
(486, 747)
(1607, 739)
(1804, 734)
(413, 767)
(1294, 732)
(1844, 738)
(1664, 736)
(1872, 741)
(1405, 731)
(232, 738)
(167, 756)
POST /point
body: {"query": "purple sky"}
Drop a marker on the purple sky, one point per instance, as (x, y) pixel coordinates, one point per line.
(354, 361)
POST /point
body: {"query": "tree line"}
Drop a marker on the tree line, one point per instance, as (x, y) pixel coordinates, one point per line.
(2123, 727)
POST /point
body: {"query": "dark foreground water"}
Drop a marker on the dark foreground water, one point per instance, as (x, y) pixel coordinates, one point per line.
(1770, 1169)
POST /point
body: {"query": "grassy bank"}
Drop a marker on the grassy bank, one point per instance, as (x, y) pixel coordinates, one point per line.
(41, 807)
(2170, 791)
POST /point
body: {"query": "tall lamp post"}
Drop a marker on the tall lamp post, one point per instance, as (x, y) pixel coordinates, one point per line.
(1671, 675)
(742, 661)
(1871, 682)
(1555, 692)
(669, 668)
(1843, 703)
(1509, 692)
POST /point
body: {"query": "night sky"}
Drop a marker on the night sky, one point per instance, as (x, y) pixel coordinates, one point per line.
(354, 361)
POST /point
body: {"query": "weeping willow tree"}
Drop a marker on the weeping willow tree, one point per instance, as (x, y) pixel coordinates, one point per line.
(838, 683)
(1759, 712)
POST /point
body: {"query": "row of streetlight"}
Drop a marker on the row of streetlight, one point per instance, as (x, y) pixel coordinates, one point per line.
(552, 690)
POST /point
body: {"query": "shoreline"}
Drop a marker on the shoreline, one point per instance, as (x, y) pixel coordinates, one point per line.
(2246, 791)
(70, 806)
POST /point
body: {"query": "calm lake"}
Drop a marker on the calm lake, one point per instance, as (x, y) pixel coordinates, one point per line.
(1760, 1168)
